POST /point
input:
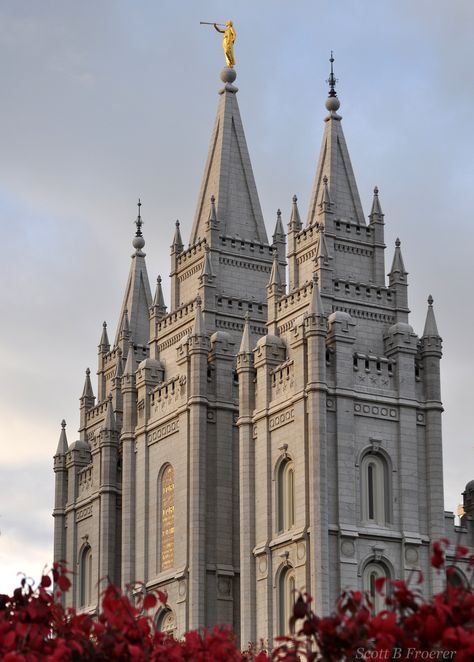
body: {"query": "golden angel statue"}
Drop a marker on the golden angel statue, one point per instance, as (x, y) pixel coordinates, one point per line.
(228, 42)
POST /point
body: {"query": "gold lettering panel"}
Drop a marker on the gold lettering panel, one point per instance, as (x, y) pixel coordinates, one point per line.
(167, 518)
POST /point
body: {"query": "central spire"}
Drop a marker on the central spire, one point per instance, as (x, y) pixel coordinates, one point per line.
(334, 174)
(137, 299)
(228, 175)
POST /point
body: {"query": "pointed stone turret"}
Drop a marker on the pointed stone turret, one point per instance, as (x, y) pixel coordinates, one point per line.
(137, 299)
(326, 203)
(177, 245)
(274, 292)
(279, 242)
(376, 212)
(274, 284)
(87, 397)
(130, 363)
(397, 280)
(199, 327)
(62, 443)
(207, 272)
(295, 223)
(60, 495)
(294, 227)
(376, 220)
(316, 306)
(228, 176)
(159, 306)
(109, 424)
(245, 347)
(103, 349)
(335, 164)
(104, 344)
(431, 328)
(398, 271)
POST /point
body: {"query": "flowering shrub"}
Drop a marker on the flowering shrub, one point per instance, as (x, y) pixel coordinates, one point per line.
(409, 628)
(35, 626)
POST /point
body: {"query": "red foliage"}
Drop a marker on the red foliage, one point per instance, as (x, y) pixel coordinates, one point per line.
(35, 626)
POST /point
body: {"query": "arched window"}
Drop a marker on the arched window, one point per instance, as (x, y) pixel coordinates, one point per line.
(286, 598)
(455, 578)
(166, 518)
(285, 495)
(85, 577)
(166, 621)
(372, 572)
(375, 489)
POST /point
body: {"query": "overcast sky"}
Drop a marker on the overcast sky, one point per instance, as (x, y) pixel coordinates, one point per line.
(102, 102)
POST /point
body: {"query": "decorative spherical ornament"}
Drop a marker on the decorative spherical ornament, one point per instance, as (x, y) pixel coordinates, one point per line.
(138, 243)
(332, 103)
(228, 75)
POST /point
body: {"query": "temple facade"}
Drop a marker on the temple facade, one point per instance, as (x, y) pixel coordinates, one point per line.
(276, 426)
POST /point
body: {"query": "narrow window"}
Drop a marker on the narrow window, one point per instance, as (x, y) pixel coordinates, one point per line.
(372, 572)
(285, 495)
(286, 599)
(370, 486)
(375, 489)
(85, 577)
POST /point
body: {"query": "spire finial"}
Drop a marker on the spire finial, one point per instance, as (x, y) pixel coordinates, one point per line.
(430, 300)
(138, 242)
(139, 221)
(398, 242)
(332, 102)
(332, 80)
(63, 424)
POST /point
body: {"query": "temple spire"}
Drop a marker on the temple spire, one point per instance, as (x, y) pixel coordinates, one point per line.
(130, 363)
(398, 268)
(177, 245)
(335, 164)
(295, 221)
(376, 212)
(87, 391)
(159, 305)
(431, 328)
(137, 298)
(139, 221)
(62, 443)
(104, 344)
(316, 306)
(228, 176)
(109, 423)
(199, 328)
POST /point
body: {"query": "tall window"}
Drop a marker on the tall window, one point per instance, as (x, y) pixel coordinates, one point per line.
(285, 495)
(372, 572)
(166, 517)
(85, 577)
(286, 599)
(375, 488)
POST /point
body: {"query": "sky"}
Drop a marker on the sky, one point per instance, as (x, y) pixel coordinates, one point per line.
(103, 102)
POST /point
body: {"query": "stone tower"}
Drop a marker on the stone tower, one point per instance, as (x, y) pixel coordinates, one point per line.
(273, 430)
(151, 489)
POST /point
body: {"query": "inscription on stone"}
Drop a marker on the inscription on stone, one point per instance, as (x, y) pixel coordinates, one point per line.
(167, 518)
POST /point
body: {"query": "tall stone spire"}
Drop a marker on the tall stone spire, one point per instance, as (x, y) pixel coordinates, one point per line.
(159, 306)
(104, 344)
(62, 443)
(228, 175)
(137, 299)
(431, 328)
(87, 392)
(398, 271)
(295, 224)
(335, 164)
